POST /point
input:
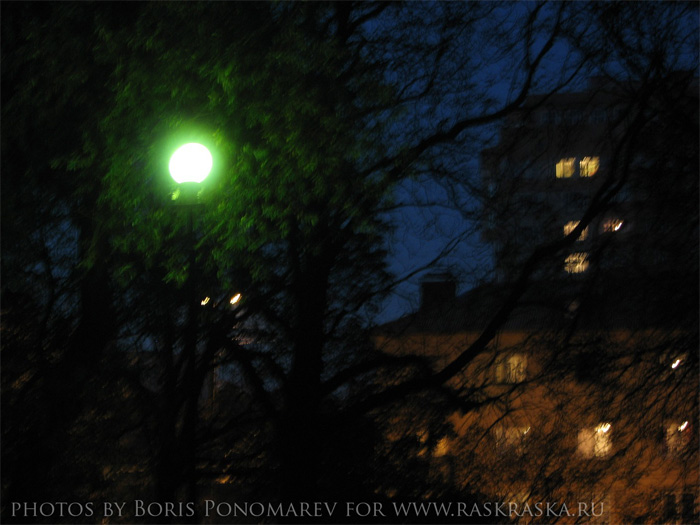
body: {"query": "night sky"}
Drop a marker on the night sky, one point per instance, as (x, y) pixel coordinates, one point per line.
(259, 347)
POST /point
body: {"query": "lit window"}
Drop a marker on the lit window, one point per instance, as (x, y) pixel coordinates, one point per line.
(569, 227)
(423, 440)
(442, 448)
(566, 168)
(677, 361)
(677, 437)
(513, 438)
(576, 262)
(222, 480)
(515, 498)
(511, 369)
(589, 166)
(613, 224)
(672, 363)
(595, 442)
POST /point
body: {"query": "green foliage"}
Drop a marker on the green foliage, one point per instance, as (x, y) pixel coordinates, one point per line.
(284, 216)
(270, 102)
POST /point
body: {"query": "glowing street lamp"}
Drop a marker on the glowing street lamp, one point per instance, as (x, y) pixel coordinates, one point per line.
(189, 166)
(190, 163)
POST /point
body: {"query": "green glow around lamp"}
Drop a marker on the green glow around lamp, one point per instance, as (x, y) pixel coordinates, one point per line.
(190, 163)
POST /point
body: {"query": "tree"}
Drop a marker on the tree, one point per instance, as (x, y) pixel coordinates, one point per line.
(58, 313)
(316, 112)
(611, 341)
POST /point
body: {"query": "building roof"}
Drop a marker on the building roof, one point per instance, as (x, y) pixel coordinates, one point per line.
(599, 302)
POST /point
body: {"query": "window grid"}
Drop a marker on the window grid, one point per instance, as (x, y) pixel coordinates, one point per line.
(576, 262)
(569, 227)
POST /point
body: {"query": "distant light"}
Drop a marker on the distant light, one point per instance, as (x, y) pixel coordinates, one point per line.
(222, 480)
(190, 163)
(604, 427)
(683, 426)
(676, 363)
(613, 225)
(205, 301)
(235, 298)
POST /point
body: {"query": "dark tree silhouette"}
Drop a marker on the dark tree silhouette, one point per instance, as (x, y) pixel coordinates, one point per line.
(316, 113)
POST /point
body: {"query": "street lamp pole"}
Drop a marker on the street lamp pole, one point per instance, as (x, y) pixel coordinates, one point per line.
(189, 166)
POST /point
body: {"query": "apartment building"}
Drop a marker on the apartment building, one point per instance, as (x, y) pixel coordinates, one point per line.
(587, 396)
(627, 154)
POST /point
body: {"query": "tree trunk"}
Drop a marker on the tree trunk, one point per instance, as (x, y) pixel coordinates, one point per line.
(300, 433)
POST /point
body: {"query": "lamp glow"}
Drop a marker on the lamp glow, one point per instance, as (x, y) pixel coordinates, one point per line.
(190, 163)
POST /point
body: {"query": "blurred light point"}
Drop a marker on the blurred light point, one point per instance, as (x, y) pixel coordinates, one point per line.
(235, 298)
(190, 163)
(205, 301)
(683, 426)
(676, 363)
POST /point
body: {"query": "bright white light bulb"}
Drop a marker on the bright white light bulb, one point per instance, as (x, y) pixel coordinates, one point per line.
(190, 163)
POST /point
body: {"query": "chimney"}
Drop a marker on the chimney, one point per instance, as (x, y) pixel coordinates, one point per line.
(438, 291)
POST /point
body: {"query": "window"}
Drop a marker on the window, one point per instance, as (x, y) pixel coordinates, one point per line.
(511, 369)
(676, 437)
(598, 116)
(595, 442)
(589, 166)
(573, 199)
(430, 446)
(679, 506)
(566, 168)
(589, 367)
(672, 364)
(670, 513)
(442, 447)
(676, 361)
(576, 262)
(513, 438)
(569, 227)
(573, 116)
(688, 513)
(613, 224)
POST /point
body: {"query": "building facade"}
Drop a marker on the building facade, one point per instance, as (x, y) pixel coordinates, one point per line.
(586, 397)
(623, 155)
